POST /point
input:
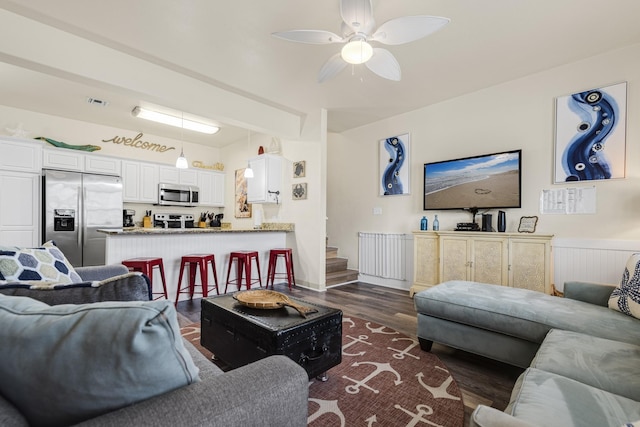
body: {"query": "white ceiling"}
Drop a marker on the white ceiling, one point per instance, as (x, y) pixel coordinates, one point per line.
(229, 44)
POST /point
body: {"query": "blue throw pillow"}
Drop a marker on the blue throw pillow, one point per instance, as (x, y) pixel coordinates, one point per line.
(46, 264)
(64, 364)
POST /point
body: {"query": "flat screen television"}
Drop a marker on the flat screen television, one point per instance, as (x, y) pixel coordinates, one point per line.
(488, 181)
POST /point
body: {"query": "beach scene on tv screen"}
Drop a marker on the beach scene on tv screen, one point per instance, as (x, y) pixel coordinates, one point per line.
(484, 182)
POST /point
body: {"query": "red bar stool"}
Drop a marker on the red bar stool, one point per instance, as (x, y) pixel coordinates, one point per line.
(274, 255)
(243, 259)
(197, 262)
(145, 265)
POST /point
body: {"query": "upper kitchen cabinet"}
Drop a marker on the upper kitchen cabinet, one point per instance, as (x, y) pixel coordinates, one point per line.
(266, 184)
(63, 159)
(211, 186)
(139, 182)
(102, 164)
(173, 175)
(19, 155)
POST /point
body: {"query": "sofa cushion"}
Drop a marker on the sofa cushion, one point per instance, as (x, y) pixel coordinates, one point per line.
(132, 286)
(598, 362)
(67, 363)
(550, 400)
(44, 265)
(626, 297)
(522, 313)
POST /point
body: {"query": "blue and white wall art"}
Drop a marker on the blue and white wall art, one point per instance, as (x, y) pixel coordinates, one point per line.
(591, 134)
(394, 165)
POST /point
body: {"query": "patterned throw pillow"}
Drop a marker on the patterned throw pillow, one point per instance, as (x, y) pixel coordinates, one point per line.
(626, 297)
(44, 264)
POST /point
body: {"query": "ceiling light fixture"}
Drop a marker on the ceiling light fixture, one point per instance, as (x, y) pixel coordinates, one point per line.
(248, 172)
(172, 120)
(357, 52)
(181, 162)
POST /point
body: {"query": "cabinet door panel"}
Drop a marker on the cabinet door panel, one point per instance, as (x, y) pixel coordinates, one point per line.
(490, 261)
(529, 265)
(426, 260)
(148, 183)
(19, 209)
(454, 254)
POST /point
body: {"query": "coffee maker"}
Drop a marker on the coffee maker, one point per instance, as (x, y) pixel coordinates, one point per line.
(127, 217)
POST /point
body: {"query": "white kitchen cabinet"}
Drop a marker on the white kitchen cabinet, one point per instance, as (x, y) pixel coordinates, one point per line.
(169, 175)
(19, 155)
(507, 259)
(19, 209)
(139, 182)
(173, 175)
(211, 186)
(266, 184)
(63, 159)
(188, 177)
(102, 164)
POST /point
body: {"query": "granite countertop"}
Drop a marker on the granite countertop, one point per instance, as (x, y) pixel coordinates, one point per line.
(266, 227)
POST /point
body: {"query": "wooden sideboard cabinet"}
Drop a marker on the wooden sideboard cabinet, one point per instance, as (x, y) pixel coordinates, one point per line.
(507, 259)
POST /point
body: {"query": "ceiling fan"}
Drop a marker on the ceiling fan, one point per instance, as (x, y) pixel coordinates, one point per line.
(358, 30)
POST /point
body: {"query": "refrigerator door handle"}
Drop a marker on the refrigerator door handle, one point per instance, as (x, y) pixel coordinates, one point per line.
(82, 213)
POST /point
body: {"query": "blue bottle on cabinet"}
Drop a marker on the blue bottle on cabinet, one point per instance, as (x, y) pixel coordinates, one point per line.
(423, 224)
(436, 224)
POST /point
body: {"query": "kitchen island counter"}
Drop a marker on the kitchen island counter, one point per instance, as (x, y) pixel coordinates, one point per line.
(171, 244)
(266, 227)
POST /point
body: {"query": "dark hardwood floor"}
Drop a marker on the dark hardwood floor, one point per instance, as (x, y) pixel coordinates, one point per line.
(481, 380)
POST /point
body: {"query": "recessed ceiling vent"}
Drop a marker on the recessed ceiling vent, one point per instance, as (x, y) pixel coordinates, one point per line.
(97, 102)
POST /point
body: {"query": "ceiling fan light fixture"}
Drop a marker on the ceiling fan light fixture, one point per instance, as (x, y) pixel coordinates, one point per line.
(357, 52)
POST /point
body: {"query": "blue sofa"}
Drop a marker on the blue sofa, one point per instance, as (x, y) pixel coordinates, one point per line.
(582, 358)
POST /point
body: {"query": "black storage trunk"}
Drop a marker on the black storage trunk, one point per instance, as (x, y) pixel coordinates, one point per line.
(239, 335)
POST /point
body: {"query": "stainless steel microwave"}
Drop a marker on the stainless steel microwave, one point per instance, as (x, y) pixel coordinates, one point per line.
(177, 195)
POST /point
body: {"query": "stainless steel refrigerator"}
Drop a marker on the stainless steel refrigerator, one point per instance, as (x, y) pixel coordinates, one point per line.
(75, 206)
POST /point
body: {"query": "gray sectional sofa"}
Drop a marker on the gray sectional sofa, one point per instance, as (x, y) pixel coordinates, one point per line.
(582, 358)
(272, 391)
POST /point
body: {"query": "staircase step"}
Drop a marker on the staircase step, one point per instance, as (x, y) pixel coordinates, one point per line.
(343, 276)
(332, 252)
(336, 264)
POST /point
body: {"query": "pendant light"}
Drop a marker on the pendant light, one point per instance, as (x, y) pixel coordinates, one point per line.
(181, 162)
(248, 172)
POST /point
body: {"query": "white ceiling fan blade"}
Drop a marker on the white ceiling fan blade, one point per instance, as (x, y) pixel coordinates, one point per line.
(358, 15)
(408, 28)
(331, 68)
(384, 64)
(309, 36)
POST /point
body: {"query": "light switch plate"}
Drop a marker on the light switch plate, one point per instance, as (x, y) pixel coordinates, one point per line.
(377, 211)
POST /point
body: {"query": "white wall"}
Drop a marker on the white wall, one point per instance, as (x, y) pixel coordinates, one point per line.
(514, 115)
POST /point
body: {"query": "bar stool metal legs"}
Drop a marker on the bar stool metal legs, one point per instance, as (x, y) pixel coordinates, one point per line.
(146, 265)
(243, 262)
(287, 254)
(197, 262)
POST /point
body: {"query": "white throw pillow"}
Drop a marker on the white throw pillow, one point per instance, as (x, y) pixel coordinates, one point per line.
(626, 297)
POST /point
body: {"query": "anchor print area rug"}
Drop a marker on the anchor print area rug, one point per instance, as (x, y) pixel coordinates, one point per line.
(385, 379)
